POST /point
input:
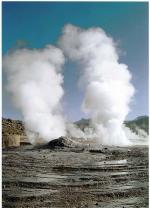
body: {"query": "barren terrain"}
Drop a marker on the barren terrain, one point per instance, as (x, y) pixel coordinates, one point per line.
(75, 177)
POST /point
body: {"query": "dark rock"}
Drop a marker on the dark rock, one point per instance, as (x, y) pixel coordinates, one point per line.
(96, 151)
(57, 143)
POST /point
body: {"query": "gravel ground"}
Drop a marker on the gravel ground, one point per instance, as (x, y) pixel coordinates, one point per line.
(75, 177)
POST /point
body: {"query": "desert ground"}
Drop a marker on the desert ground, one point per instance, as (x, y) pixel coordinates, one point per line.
(75, 177)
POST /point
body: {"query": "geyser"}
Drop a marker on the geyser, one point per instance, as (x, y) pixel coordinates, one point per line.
(35, 83)
(107, 83)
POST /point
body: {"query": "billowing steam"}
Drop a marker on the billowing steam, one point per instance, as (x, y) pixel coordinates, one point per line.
(35, 82)
(108, 90)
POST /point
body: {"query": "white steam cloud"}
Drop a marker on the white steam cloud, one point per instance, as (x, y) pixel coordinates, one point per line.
(35, 82)
(108, 90)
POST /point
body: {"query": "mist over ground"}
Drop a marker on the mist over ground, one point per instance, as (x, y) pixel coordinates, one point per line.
(35, 81)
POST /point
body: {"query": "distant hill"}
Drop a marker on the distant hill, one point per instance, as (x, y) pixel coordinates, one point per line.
(83, 123)
(10, 126)
(141, 122)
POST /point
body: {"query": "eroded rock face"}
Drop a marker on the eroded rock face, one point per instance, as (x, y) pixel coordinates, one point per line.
(10, 141)
(10, 127)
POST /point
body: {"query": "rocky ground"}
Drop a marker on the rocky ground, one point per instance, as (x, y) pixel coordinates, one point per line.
(75, 177)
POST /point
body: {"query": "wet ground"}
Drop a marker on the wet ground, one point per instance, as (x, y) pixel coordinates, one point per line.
(75, 178)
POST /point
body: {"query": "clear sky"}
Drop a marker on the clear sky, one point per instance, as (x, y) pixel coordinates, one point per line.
(40, 23)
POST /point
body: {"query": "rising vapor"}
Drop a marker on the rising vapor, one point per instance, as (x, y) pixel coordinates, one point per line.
(107, 83)
(35, 83)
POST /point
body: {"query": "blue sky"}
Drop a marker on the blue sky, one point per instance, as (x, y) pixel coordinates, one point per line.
(40, 23)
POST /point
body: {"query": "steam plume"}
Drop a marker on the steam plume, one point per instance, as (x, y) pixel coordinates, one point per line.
(35, 82)
(107, 83)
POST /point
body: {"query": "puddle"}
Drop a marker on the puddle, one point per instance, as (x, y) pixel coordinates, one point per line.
(43, 178)
(32, 192)
(111, 162)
